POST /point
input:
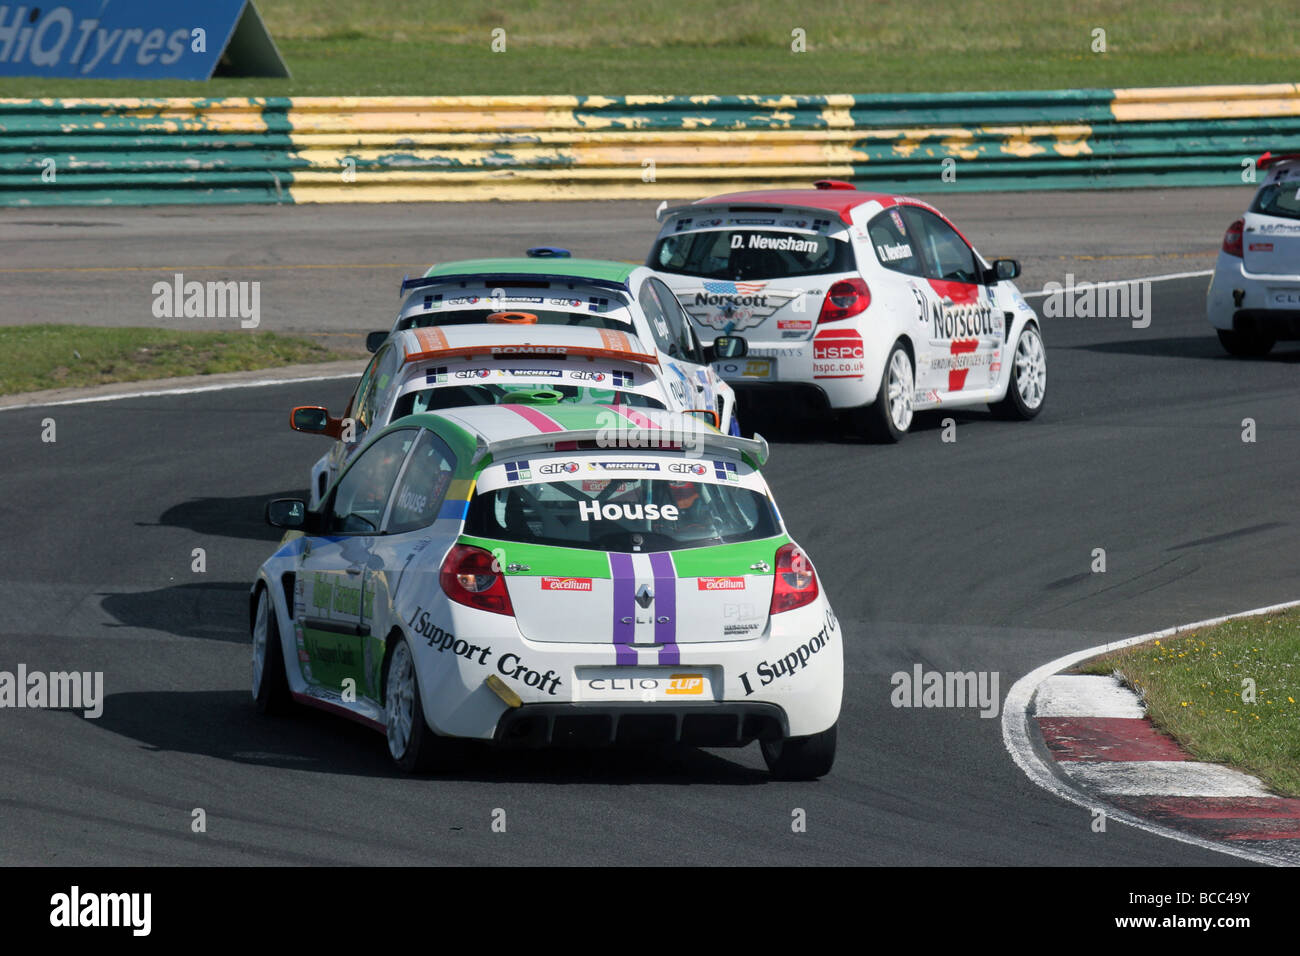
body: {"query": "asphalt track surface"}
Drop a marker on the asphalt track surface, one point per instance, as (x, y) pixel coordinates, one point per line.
(971, 555)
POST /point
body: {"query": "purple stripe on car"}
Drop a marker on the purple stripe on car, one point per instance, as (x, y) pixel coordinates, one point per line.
(665, 608)
(623, 579)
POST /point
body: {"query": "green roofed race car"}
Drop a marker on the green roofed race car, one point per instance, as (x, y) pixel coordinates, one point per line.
(533, 576)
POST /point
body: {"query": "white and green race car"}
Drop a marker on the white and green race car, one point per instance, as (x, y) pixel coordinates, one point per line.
(546, 576)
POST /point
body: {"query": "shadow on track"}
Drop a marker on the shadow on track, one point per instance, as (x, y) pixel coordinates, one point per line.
(782, 427)
(210, 610)
(1198, 347)
(223, 724)
(229, 517)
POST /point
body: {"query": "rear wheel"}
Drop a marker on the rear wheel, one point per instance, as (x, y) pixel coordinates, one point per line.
(412, 745)
(888, 418)
(1246, 344)
(1027, 387)
(270, 684)
(801, 758)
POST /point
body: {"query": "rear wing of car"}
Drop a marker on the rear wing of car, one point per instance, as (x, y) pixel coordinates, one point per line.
(425, 344)
(1268, 160)
(719, 214)
(531, 279)
(753, 451)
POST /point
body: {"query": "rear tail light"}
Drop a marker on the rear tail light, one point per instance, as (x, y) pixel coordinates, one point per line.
(795, 582)
(844, 299)
(1232, 238)
(471, 576)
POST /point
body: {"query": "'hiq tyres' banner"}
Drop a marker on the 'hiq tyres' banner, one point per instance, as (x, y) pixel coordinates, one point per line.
(130, 39)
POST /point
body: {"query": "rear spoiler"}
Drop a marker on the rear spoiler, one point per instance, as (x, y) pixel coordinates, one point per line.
(1268, 159)
(753, 451)
(426, 282)
(431, 343)
(704, 209)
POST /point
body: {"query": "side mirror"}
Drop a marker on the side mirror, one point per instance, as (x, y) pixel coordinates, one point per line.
(713, 418)
(315, 420)
(730, 347)
(286, 513)
(374, 340)
(1002, 270)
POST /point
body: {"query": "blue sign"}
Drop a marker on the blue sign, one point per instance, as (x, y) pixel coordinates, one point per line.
(116, 39)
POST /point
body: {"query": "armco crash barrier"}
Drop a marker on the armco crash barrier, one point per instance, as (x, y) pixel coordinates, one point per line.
(389, 149)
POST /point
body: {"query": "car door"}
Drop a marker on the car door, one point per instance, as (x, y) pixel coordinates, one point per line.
(368, 405)
(337, 599)
(686, 360)
(964, 333)
(415, 522)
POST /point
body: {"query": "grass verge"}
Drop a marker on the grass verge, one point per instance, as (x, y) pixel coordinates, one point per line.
(1196, 687)
(440, 47)
(37, 357)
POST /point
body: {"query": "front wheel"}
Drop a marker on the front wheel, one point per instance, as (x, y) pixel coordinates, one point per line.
(1027, 387)
(1246, 344)
(801, 758)
(888, 418)
(270, 684)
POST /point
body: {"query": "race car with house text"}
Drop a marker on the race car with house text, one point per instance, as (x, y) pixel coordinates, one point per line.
(1254, 296)
(861, 303)
(575, 575)
(432, 368)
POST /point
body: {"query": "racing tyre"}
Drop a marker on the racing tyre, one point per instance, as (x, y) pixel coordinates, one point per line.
(1027, 387)
(412, 745)
(801, 758)
(1246, 344)
(888, 418)
(270, 684)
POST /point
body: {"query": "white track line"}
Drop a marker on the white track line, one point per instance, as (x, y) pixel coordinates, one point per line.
(1086, 696)
(253, 383)
(1016, 735)
(1164, 778)
(1115, 282)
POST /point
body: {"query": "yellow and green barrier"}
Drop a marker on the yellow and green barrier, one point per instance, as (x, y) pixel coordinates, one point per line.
(391, 149)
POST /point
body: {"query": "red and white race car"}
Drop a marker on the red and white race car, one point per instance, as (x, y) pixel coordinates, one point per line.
(865, 303)
(1254, 297)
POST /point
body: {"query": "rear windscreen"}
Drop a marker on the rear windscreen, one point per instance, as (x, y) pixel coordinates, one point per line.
(541, 396)
(751, 254)
(1279, 199)
(622, 514)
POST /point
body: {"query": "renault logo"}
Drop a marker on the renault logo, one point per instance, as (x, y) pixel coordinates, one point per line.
(645, 594)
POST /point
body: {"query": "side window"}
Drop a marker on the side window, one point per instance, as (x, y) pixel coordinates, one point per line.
(659, 326)
(362, 388)
(377, 388)
(423, 485)
(947, 255)
(678, 323)
(362, 493)
(893, 245)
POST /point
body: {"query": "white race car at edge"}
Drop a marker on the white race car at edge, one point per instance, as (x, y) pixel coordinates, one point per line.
(1254, 297)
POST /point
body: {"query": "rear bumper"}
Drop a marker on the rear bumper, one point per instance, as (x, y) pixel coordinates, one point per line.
(726, 724)
(1277, 323)
(1244, 301)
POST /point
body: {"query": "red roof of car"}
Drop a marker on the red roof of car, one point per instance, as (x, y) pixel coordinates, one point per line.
(839, 201)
